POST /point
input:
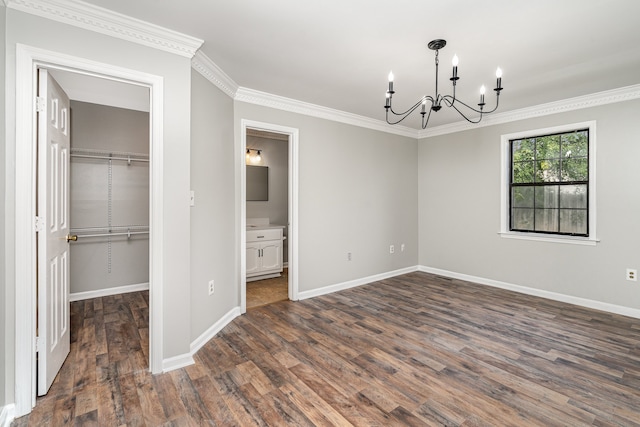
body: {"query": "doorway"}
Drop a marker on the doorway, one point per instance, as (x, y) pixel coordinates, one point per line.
(101, 177)
(288, 139)
(28, 60)
(267, 211)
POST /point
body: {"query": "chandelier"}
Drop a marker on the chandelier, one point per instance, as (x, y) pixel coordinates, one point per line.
(439, 100)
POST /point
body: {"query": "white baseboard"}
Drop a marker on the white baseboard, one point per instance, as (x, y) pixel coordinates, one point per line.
(7, 415)
(186, 359)
(214, 329)
(177, 362)
(78, 296)
(353, 283)
(583, 302)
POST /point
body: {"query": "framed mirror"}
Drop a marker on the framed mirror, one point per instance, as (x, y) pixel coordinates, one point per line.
(257, 183)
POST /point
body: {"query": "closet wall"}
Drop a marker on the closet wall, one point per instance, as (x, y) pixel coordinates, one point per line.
(109, 198)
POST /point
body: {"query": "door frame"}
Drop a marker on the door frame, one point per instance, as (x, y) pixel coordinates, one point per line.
(28, 60)
(292, 238)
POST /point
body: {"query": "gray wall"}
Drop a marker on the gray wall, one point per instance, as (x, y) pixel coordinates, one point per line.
(357, 193)
(95, 263)
(213, 242)
(275, 155)
(459, 186)
(175, 71)
(3, 283)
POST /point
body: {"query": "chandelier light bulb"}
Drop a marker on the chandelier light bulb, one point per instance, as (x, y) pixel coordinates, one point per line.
(454, 61)
(390, 76)
(499, 73)
(482, 90)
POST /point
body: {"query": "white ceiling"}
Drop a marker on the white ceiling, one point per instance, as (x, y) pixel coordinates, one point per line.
(337, 53)
(103, 91)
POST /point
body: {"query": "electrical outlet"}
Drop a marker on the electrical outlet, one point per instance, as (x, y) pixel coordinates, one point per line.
(348, 256)
(211, 287)
(392, 249)
(402, 247)
(632, 274)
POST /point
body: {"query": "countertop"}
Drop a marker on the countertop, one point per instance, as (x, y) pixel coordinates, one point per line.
(264, 226)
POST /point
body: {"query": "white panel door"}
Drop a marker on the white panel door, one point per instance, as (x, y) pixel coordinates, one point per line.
(53, 247)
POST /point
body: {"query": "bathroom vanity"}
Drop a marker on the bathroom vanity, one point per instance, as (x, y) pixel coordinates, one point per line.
(264, 251)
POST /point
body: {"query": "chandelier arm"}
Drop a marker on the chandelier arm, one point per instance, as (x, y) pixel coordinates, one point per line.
(451, 100)
(413, 108)
(464, 116)
(426, 122)
(497, 103)
(404, 115)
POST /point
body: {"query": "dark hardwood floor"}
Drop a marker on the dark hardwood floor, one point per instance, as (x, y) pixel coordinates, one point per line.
(413, 350)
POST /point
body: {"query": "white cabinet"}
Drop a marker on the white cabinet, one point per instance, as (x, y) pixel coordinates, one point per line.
(264, 253)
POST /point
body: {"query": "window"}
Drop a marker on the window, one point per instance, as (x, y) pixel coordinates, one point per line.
(548, 189)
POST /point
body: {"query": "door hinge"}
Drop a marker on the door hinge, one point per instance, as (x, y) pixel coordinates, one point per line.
(39, 224)
(41, 104)
(38, 343)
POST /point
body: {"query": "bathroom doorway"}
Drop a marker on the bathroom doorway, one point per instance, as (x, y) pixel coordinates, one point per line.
(268, 221)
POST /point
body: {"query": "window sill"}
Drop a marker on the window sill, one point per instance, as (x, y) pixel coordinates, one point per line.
(587, 241)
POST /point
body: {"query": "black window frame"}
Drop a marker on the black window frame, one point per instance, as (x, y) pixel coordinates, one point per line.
(535, 184)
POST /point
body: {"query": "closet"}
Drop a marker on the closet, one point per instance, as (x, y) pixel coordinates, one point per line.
(109, 200)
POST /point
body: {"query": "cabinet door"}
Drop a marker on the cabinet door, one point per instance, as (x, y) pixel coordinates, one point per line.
(253, 258)
(272, 256)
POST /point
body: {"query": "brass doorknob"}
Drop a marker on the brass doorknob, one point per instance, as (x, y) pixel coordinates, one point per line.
(72, 237)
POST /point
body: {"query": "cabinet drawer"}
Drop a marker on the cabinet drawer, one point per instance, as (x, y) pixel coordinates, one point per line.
(261, 235)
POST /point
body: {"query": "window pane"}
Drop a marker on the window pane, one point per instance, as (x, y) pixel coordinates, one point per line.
(522, 197)
(575, 169)
(575, 144)
(522, 149)
(547, 171)
(573, 221)
(521, 219)
(548, 147)
(573, 196)
(547, 220)
(550, 183)
(547, 196)
(522, 172)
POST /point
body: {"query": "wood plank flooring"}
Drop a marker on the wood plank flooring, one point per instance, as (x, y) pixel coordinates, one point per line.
(414, 350)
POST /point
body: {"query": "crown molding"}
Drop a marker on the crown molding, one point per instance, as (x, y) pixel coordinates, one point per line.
(215, 75)
(210, 71)
(287, 104)
(626, 93)
(94, 18)
(205, 66)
